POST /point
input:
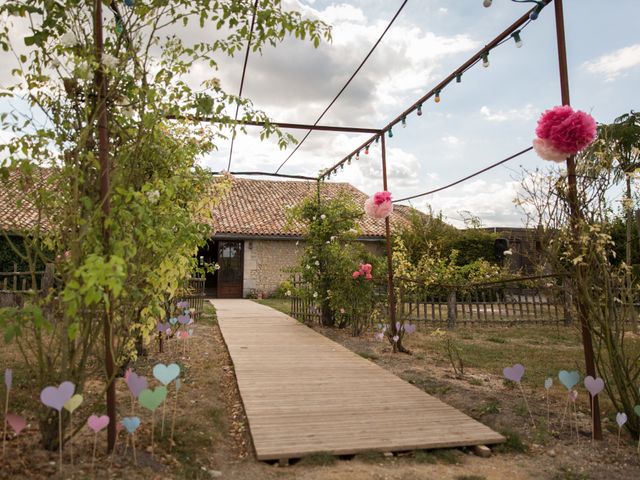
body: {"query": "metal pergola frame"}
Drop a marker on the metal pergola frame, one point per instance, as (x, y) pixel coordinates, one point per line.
(377, 134)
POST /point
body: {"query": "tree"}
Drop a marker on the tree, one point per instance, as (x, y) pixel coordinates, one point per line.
(119, 263)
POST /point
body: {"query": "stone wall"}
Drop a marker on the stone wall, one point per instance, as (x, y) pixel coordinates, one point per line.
(266, 260)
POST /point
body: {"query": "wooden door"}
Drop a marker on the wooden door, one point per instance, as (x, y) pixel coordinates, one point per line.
(230, 275)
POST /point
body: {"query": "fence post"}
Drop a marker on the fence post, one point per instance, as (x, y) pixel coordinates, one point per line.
(451, 310)
(568, 301)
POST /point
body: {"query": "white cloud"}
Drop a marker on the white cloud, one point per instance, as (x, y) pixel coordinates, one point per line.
(615, 63)
(525, 113)
(443, 10)
(451, 140)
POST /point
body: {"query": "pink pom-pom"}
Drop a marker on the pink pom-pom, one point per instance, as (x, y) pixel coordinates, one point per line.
(368, 276)
(356, 274)
(381, 210)
(566, 130)
(381, 197)
(366, 268)
(545, 150)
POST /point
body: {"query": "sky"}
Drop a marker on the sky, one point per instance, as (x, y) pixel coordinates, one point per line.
(489, 116)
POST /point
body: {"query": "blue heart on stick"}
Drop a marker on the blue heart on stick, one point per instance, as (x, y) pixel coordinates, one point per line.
(166, 373)
(131, 423)
(569, 379)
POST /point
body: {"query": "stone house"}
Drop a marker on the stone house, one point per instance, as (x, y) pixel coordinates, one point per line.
(252, 242)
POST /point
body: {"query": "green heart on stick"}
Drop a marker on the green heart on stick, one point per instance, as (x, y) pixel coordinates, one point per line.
(637, 410)
(152, 399)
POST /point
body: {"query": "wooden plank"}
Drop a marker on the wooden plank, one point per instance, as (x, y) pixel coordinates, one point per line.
(304, 393)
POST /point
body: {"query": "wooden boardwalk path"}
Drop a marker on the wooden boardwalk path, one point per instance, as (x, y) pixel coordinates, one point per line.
(304, 393)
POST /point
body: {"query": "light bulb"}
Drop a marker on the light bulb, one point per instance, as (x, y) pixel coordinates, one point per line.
(404, 122)
(358, 155)
(459, 78)
(517, 38)
(485, 60)
(487, 3)
(366, 150)
(419, 111)
(349, 161)
(390, 133)
(437, 97)
(534, 15)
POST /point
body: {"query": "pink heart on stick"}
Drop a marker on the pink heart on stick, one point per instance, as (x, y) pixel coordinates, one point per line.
(97, 423)
(56, 397)
(16, 422)
(514, 373)
(594, 385)
(136, 384)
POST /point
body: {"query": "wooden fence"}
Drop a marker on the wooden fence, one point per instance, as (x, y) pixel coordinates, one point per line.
(528, 300)
(194, 294)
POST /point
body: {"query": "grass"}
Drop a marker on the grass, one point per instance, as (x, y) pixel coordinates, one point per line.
(543, 350)
(319, 458)
(368, 355)
(513, 444)
(281, 304)
(370, 457)
(450, 456)
(565, 473)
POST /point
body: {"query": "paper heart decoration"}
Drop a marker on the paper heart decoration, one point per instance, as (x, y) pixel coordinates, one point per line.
(56, 397)
(73, 403)
(119, 427)
(178, 384)
(173, 320)
(8, 378)
(131, 424)
(411, 328)
(162, 327)
(183, 319)
(396, 338)
(16, 422)
(573, 395)
(514, 373)
(398, 326)
(136, 384)
(594, 385)
(97, 423)
(183, 304)
(379, 336)
(166, 373)
(569, 379)
(637, 410)
(190, 332)
(621, 418)
(191, 322)
(127, 373)
(548, 383)
(152, 399)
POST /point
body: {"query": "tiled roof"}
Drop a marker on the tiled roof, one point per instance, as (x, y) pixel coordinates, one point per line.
(259, 207)
(17, 213)
(250, 208)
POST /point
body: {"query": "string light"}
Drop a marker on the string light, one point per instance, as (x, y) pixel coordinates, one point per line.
(459, 78)
(366, 150)
(377, 139)
(349, 160)
(342, 166)
(404, 122)
(517, 38)
(487, 3)
(390, 133)
(485, 60)
(358, 155)
(129, 3)
(437, 97)
(419, 111)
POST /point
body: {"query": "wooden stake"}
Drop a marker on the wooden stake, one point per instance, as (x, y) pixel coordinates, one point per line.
(164, 410)
(618, 446)
(548, 413)
(71, 439)
(533, 422)
(566, 405)
(133, 444)
(95, 444)
(153, 424)
(113, 452)
(175, 408)
(4, 428)
(60, 439)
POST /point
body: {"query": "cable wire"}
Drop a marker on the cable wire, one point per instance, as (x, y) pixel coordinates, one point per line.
(244, 70)
(475, 174)
(375, 45)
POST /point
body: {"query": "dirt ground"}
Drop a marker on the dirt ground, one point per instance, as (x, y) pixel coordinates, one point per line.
(212, 439)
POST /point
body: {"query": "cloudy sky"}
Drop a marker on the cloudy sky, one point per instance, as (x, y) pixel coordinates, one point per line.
(490, 115)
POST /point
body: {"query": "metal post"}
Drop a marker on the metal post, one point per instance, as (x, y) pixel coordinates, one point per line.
(387, 223)
(587, 340)
(103, 155)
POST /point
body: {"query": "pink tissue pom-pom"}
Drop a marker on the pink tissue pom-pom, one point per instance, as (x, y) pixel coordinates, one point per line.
(381, 197)
(356, 274)
(545, 150)
(365, 267)
(568, 131)
(377, 211)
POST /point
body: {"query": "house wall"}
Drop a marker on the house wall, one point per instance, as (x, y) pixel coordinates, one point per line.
(266, 260)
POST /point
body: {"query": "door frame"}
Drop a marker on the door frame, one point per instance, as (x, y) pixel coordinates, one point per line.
(220, 286)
